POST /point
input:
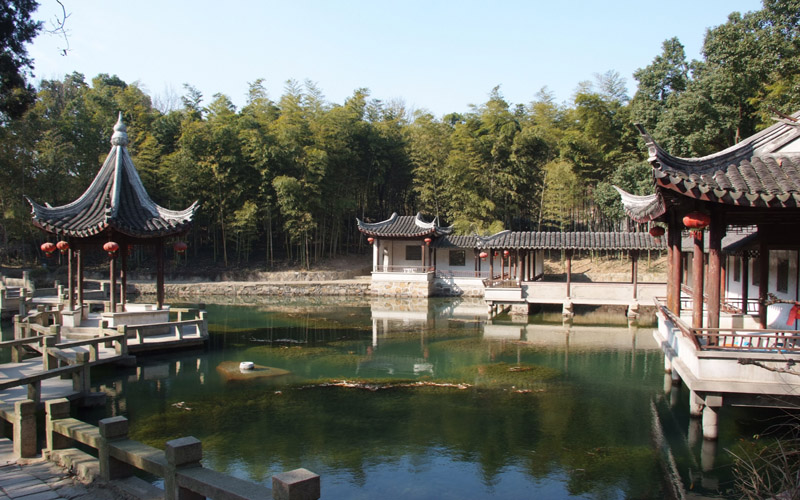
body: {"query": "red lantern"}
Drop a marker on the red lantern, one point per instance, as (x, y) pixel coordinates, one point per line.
(48, 248)
(111, 247)
(483, 255)
(370, 240)
(505, 253)
(656, 231)
(696, 221)
(428, 241)
(63, 246)
(180, 247)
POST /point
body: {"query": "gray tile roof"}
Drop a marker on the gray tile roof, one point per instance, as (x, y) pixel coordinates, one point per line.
(404, 226)
(117, 200)
(753, 173)
(554, 241)
(574, 241)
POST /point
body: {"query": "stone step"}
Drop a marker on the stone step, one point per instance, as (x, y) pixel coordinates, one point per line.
(80, 463)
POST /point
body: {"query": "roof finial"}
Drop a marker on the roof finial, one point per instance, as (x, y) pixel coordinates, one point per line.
(120, 136)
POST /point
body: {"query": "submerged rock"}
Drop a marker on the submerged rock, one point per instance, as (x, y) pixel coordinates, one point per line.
(230, 371)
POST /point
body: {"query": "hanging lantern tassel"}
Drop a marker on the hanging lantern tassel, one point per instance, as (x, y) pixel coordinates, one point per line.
(111, 247)
(48, 248)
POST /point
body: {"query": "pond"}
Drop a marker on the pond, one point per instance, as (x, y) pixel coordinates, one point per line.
(422, 399)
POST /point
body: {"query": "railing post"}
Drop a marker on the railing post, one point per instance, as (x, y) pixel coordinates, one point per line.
(181, 453)
(35, 391)
(81, 381)
(112, 429)
(23, 302)
(299, 484)
(25, 428)
(55, 332)
(56, 409)
(121, 347)
(48, 360)
(204, 317)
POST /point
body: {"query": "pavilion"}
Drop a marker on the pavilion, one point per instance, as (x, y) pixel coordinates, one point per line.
(114, 213)
(749, 195)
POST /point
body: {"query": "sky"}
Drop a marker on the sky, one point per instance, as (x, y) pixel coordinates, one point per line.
(436, 55)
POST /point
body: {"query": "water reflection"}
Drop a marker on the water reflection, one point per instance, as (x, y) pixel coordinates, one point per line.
(549, 410)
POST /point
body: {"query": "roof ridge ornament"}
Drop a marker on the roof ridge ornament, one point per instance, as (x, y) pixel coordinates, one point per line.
(120, 135)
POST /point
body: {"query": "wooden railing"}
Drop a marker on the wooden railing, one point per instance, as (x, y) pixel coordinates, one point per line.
(750, 339)
(179, 464)
(447, 273)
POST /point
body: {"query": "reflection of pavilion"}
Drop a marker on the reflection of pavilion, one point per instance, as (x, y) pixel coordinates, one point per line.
(390, 314)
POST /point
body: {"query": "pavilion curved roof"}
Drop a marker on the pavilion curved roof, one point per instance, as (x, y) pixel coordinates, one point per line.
(760, 171)
(116, 199)
(403, 226)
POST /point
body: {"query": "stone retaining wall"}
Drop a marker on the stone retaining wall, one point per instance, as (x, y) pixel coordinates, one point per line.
(243, 288)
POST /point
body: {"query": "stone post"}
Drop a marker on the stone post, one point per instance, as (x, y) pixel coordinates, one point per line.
(112, 429)
(121, 346)
(48, 360)
(182, 453)
(299, 484)
(25, 428)
(56, 409)
(711, 417)
(81, 380)
(696, 404)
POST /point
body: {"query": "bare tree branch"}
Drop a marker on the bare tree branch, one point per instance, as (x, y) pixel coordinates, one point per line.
(59, 24)
(788, 369)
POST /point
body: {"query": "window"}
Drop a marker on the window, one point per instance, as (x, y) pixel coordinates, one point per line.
(458, 258)
(782, 284)
(413, 252)
(737, 268)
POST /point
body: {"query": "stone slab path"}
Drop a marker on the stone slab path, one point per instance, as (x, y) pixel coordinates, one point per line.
(42, 480)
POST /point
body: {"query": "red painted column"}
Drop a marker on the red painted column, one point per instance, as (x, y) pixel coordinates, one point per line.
(716, 231)
(697, 280)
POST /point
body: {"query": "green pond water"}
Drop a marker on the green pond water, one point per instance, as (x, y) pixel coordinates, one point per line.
(446, 404)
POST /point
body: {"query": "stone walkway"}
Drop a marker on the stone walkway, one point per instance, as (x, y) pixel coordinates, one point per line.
(42, 480)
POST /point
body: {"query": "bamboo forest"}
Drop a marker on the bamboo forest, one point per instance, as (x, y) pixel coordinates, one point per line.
(283, 178)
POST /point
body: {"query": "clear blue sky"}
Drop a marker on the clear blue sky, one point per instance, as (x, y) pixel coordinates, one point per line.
(436, 55)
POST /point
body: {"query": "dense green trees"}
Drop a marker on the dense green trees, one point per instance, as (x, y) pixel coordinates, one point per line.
(284, 179)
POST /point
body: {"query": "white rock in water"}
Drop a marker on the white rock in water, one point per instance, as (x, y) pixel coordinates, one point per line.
(246, 365)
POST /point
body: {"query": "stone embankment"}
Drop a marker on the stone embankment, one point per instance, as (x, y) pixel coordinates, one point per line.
(346, 287)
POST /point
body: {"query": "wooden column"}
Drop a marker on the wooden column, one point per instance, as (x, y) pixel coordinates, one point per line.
(716, 231)
(71, 277)
(491, 264)
(80, 278)
(763, 280)
(112, 278)
(635, 272)
(676, 264)
(160, 273)
(697, 280)
(523, 268)
(745, 281)
(569, 272)
(124, 273)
